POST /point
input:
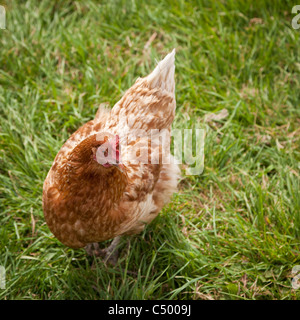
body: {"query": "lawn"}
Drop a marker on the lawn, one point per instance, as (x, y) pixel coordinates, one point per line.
(232, 232)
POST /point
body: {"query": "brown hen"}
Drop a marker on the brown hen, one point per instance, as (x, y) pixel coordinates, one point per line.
(109, 179)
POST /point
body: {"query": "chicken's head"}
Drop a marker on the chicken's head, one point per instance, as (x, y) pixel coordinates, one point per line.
(97, 154)
(107, 153)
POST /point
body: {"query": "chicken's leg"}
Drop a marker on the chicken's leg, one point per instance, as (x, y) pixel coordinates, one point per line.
(109, 254)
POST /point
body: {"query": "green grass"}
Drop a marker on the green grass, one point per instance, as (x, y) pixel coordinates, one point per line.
(231, 233)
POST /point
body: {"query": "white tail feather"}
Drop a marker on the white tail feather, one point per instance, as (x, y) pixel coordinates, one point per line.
(163, 75)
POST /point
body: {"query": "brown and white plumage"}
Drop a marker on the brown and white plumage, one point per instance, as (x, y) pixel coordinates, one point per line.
(83, 201)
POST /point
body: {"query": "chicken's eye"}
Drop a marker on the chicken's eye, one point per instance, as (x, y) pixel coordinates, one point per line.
(105, 152)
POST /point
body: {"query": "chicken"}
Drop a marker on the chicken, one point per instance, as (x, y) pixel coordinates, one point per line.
(98, 188)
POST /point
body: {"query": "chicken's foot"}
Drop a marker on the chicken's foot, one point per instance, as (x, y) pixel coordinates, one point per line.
(109, 254)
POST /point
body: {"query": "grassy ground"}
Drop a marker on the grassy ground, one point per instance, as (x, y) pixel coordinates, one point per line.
(231, 233)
